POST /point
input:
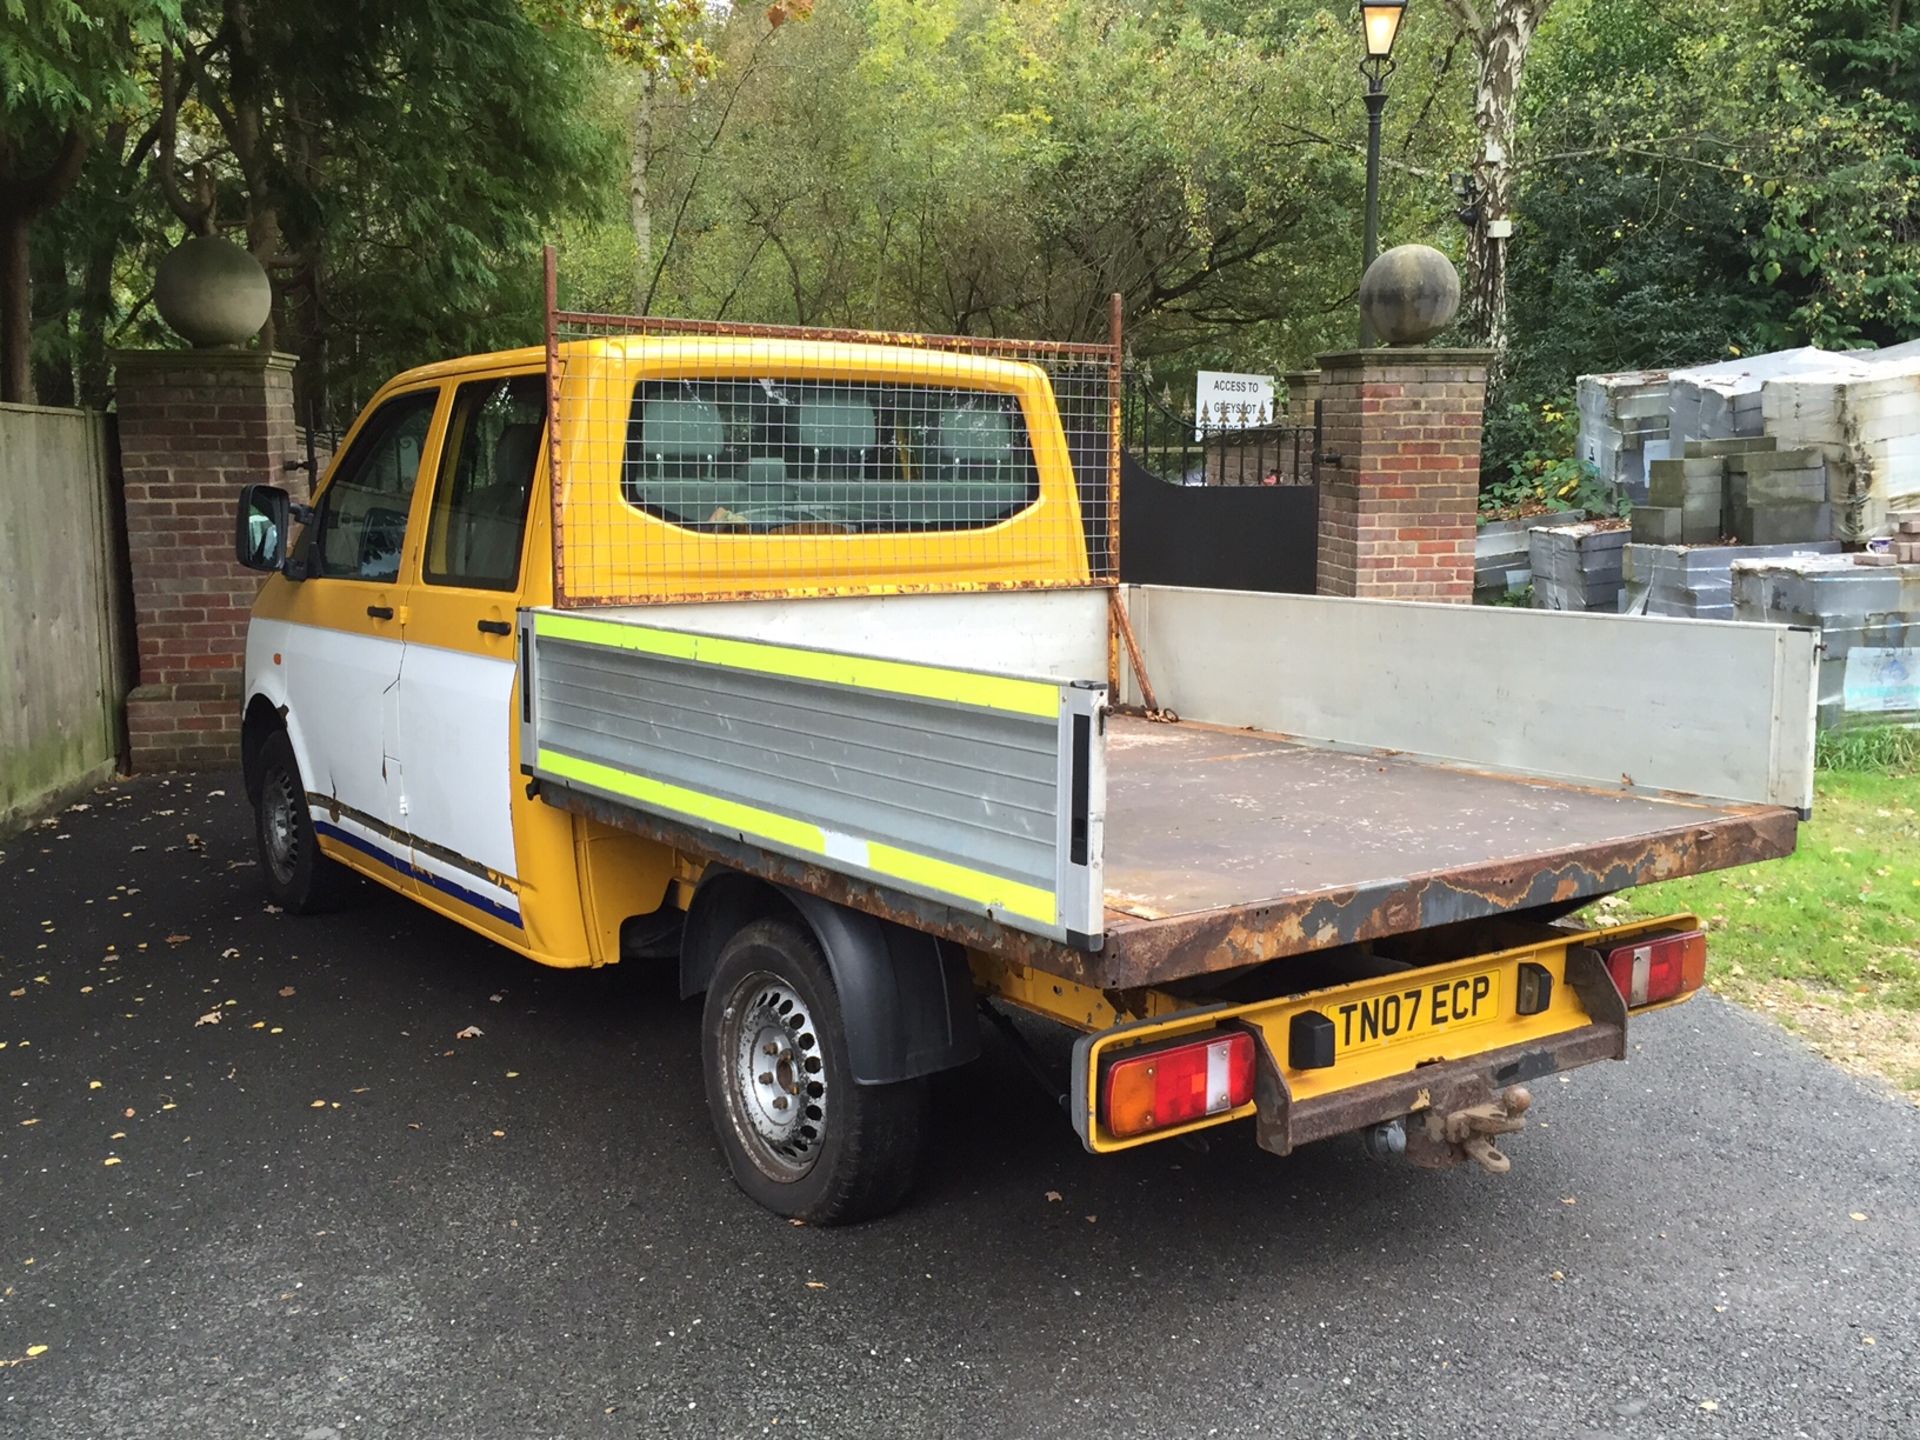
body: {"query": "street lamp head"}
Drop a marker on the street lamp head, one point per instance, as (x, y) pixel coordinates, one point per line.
(1380, 19)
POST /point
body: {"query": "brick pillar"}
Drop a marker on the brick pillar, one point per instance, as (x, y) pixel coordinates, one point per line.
(1303, 388)
(195, 425)
(1402, 481)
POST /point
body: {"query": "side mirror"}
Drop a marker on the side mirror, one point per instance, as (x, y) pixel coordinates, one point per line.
(260, 528)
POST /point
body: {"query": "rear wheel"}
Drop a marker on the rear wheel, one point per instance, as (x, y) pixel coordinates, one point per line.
(800, 1137)
(299, 877)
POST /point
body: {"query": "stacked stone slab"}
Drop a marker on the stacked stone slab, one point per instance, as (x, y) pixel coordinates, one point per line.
(1623, 426)
(1687, 498)
(1906, 536)
(1503, 554)
(1869, 623)
(1695, 581)
(1743, 488)
(1577, 567)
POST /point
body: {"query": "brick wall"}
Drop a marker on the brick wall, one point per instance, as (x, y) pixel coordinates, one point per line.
(1397, 505)
(194, 427)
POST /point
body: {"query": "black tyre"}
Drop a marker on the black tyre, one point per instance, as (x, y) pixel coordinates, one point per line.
(299, 877)
(801, 1138)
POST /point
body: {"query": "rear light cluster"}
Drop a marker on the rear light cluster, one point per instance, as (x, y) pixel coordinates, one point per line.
(1659, 967)
(1153, 1088)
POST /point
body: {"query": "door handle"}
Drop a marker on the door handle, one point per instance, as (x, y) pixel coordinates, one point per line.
(380, 612)
(496, 627)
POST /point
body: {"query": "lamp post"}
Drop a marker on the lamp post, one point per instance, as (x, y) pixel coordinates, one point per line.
(1380, 22)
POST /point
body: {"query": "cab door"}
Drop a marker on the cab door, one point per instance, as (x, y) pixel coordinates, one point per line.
(345, 631)
(456, 716)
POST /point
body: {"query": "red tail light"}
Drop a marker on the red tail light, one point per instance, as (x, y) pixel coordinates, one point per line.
(1150, 1089)
(1659, 967)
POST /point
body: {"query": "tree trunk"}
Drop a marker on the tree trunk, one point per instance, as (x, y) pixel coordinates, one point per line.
(639, 204)
(1500, 43)
(16, 307)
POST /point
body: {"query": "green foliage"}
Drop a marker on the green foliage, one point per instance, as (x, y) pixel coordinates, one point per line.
(1543, 473)
(1877, 750)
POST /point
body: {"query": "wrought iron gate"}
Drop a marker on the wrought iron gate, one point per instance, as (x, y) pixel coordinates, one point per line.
(1225, 502)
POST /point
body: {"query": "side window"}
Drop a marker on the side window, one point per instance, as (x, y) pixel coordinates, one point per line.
(479, 511)
(362, 525)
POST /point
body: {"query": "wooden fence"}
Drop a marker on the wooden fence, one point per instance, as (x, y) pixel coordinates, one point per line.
(64, 666)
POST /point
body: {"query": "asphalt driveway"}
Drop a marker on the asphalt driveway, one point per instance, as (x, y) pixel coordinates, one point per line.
(323, 1215)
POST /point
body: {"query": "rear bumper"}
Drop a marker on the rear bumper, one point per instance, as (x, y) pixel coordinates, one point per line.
(1282, 1124)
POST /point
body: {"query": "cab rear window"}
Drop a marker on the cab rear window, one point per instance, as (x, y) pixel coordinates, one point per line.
(826, 456)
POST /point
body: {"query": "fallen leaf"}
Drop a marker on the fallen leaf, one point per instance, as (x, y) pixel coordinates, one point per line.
(111, 1160)
(499, 1134)
(230, 953)
(472, 1032)
(34, 1121)
(34, 1352)
(318, 1105)
(1092, 1219)
(1709, 1405)
(285, 991)
(128, 1112)
(1569, 1200)
(1053, 1194)
(816, 1284)
(513, 1074)
(16, 994)
(212, 1017)
(178, 939)
(1858, 1215)
(1558, 1275)
(93, 1084)
(496, 999)
(797, 1222)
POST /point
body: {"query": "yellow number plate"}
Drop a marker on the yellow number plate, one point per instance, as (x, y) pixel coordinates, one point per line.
(1420, 1008)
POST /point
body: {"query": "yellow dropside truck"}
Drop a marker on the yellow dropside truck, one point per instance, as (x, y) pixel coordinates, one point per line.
(799, 661)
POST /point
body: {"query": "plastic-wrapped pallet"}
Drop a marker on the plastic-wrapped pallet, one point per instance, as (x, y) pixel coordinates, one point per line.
(1694, 581)
(1623, 426)
(1503, 557)
(1863, 415)
(1714, 402)
(1577, 567)
(1869, 623)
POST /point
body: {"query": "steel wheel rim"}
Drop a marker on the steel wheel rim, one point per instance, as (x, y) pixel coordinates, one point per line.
(280, 826)
(775, 1076)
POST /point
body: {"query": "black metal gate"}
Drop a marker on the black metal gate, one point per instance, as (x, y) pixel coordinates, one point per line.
(1223, 502)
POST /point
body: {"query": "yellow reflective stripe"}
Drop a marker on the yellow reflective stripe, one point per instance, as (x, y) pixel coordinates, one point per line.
(993, 892)
(898, 677)
(727, 814)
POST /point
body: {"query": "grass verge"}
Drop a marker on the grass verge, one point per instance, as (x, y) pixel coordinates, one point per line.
(1827, 941)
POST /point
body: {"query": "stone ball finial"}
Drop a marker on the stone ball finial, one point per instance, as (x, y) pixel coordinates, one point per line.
(212, 292)
(1410, 294)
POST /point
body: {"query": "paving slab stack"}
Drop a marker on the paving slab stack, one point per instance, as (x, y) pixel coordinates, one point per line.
(1577, 567)
(1695, 581)
(1867, 609)
(1503, 555)
(1745, 489)
(1862, 412)
(1624, 426)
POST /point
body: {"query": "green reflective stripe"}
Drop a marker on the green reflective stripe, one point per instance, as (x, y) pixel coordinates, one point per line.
(991, 892)
(898, 677)
(727, 814)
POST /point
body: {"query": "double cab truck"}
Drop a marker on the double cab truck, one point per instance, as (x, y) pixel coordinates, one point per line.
(799, 661)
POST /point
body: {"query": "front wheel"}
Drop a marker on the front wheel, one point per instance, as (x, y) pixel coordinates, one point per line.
(299, 877)
(800, 1136)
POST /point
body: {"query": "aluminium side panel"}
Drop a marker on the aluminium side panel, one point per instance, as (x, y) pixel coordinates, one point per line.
(981, 791)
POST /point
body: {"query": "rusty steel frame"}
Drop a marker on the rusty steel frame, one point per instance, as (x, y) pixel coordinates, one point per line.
(1110, 353)
(1142, 954)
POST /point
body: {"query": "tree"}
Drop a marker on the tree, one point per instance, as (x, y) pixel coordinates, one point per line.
(1501, 33)
(65, 73)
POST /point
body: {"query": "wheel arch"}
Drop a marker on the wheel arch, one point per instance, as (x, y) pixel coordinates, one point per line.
(263, 718)
(906, 997)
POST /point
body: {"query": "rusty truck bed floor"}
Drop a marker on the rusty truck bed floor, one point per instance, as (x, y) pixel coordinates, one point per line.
(1226, 846)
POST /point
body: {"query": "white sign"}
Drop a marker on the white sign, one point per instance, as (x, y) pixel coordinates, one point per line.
(1223, 401)
(1880, 679)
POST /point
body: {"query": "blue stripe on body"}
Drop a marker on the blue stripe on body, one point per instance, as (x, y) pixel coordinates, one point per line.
(392, 861)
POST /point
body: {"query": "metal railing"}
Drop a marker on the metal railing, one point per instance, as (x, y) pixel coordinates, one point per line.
(1237, 445)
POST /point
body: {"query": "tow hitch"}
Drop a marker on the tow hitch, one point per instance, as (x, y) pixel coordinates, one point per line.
(1436, 1138)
